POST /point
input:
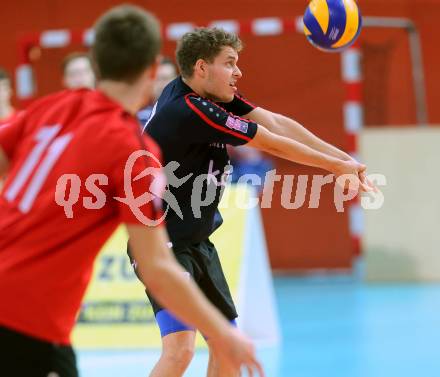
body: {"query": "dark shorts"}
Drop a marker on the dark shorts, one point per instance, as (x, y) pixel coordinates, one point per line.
(25, 356)
(203, 265)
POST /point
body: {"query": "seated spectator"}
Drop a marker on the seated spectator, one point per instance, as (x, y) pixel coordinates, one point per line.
(246, 160)
(166, 72)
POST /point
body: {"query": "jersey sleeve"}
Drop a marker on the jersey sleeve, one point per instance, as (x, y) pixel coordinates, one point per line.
(211, 123)
(139, 182)
(10, 134)
(238, 106)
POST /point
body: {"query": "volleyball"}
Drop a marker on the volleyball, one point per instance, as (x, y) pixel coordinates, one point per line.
(332, 25)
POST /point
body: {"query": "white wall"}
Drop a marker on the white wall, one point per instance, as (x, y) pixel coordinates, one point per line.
(401, 240)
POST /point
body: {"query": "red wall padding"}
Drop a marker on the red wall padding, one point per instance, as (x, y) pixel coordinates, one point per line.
(283, 74)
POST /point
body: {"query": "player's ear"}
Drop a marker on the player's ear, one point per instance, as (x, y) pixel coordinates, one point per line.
(200, 68)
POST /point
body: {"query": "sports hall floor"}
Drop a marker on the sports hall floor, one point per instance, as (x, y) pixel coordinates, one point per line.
(332, 327)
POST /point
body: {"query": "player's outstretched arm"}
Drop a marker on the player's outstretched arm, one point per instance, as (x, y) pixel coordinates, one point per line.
(295, 151)
(166, 281)
(287, 127)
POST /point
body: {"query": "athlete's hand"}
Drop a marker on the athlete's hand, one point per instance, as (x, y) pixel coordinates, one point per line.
(356, 172)
(362, 175)
(364, 179)
(234, 351)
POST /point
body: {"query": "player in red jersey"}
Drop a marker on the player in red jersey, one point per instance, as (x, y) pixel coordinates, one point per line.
(65, 160)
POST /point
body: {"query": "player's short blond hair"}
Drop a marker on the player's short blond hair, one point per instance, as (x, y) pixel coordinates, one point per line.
(203, 43)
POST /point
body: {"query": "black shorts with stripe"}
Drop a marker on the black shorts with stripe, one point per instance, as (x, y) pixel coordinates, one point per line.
(203, 264)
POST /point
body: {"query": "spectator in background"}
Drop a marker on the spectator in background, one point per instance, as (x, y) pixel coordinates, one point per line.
(7, 111)
(166, 72)
(78, 71)
(246, 160)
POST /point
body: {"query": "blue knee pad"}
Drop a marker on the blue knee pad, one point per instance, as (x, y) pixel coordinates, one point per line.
(169, 324)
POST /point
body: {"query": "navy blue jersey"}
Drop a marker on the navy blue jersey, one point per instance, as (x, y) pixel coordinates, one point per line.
(192, 132)
(144, 114)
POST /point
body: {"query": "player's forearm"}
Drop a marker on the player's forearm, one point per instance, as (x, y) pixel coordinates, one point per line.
(181, 296)
(293, 150)
(293, 130)
(303, 154)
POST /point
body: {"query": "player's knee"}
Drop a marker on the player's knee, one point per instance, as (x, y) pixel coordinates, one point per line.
(179, 356)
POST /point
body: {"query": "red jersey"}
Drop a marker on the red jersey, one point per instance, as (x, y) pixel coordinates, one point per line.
(47, 248)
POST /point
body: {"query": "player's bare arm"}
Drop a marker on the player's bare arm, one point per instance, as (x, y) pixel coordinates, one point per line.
(295, 151)
(287, 127)
(166, 280)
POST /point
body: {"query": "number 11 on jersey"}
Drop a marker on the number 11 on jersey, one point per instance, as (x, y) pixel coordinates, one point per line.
(45, 141)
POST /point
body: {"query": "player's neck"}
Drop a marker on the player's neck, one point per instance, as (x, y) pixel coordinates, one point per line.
(195, 86)
(129, 96)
